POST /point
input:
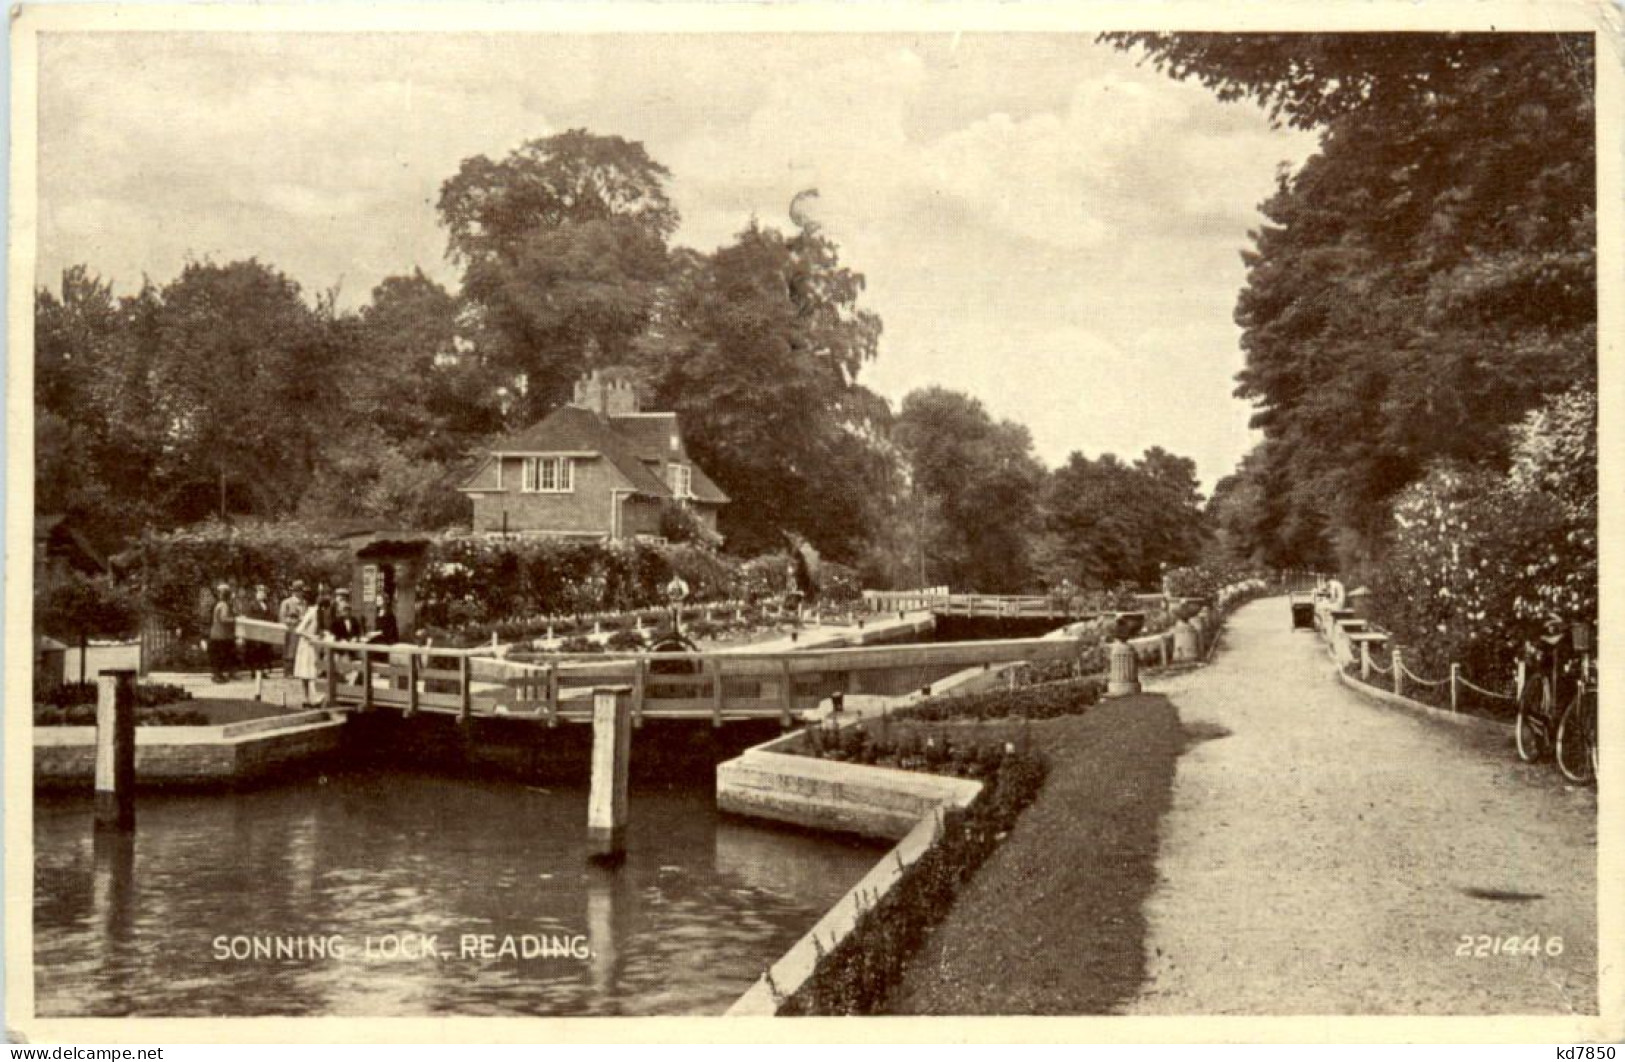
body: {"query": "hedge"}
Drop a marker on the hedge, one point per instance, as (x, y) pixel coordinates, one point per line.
(859, 973)
(173, 572)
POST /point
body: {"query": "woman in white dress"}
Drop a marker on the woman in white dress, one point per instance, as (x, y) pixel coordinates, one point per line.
(304, 659)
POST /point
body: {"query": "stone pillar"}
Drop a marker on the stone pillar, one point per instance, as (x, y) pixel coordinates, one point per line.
(611, 760)
(1124, 677)
(115, 750)
(1187, 644)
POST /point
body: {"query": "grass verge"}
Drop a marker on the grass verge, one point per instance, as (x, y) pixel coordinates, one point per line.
(1053, 922)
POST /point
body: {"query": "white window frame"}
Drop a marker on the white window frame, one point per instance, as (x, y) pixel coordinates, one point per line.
(547, 475)
(681, 480)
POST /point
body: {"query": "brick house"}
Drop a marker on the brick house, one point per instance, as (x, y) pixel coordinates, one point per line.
(598, 468)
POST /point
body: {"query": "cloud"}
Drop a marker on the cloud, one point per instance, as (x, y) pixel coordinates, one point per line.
(1042, 222)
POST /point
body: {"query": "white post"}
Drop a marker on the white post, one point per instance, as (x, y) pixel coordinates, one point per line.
(611, 759)
(1455, 675)
(115, 750)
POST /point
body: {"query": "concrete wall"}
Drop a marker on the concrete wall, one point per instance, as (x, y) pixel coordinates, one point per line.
(65, 756)
(830, 795)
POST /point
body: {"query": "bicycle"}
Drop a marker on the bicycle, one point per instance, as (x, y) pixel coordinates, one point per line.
(1576, 747)
(1569, 733)
(1536, 729)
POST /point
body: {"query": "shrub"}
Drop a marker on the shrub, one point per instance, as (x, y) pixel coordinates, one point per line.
(476, 581)
(626, 641)
(71, 606)
(174, 570)
(859, 974)
(1047, 701)
(1480, 564)
(85, 715)
(147, 694)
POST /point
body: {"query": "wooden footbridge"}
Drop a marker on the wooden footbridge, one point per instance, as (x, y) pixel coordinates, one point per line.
(990, 606)
(716, 686)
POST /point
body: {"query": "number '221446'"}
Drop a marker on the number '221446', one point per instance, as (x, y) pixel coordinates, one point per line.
(1477, 947)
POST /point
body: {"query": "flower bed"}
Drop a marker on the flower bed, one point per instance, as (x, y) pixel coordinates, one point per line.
(85, 715)
(74, 704)
(859, 973)
(147, 695)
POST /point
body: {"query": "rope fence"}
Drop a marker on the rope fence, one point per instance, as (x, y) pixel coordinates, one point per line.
(1414, 677)
(1369, 668)
(1488, 693)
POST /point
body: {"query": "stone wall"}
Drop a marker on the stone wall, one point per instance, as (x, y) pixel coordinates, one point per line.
(830, 795)
(65, 756)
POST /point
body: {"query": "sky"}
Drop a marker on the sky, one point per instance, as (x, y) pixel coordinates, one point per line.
(1043, 223)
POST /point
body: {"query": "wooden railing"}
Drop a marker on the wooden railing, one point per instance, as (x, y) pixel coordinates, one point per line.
(904, 600)
(718, 686)
(943, 603)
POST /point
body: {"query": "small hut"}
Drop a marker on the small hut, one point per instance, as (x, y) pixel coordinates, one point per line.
(387, 566)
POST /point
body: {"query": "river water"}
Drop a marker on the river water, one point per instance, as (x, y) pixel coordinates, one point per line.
(348, 878)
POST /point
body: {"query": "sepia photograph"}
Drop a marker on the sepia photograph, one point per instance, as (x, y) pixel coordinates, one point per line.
(749, 512)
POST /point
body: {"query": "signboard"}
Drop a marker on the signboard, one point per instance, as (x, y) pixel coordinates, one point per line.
(369, 583)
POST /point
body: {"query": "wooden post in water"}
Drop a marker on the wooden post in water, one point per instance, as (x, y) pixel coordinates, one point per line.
(465, 690)
(366, 680)
(115, 750)
(332, 675)
(411, 684)
(611, 762)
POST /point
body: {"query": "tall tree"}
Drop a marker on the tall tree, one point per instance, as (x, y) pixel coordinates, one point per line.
(758, 346)
(978, 482)
(563, 249)
(240, 381)
(1427, 276)
(1110, 522)
(419, 381)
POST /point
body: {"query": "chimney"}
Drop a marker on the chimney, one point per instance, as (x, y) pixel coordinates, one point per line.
(607, 392)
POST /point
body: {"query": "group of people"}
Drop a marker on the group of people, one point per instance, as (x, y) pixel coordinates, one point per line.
(328, 617)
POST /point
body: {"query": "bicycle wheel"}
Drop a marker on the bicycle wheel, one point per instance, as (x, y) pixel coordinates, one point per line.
(1531, 732)
(1577, 738)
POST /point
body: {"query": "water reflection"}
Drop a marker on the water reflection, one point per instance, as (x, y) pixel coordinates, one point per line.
(423, 879)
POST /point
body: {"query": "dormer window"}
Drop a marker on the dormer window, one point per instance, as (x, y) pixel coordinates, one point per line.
(549, 475)
(681, 479)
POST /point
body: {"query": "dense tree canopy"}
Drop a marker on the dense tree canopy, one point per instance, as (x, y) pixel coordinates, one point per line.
(976, 489)
(758, 348)
(1425, 278)
(563, 248)
(227, 391)
(1109, 522)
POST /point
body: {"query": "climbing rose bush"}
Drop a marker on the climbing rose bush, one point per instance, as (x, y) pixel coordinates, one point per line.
(1482, 563)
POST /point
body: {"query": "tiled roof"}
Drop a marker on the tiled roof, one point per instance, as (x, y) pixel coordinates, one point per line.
(570, 429)
(650, 435)
(630, 443)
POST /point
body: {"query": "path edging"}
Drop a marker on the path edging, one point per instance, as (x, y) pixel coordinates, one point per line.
(1477, 722)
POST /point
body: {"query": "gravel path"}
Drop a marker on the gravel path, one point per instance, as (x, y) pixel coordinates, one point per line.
(1325, 854)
